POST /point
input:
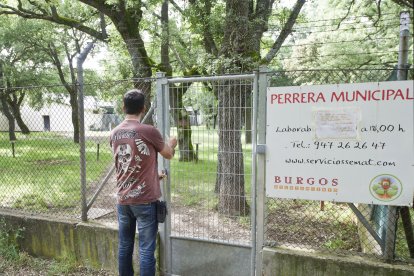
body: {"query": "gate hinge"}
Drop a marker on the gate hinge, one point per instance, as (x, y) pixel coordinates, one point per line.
(261, 148)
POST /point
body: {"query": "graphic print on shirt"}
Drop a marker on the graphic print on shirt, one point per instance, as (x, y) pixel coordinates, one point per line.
(124, 156)
(126, 183)
(142, 147)
(135, 192)
(124, 134)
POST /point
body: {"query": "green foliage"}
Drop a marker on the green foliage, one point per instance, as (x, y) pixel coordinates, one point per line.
(15, 262)
(340, 38)
(202, 100)
(19, 59)
(8, 241)
(401, 246)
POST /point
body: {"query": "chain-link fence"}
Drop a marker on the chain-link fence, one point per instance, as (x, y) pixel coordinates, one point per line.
(211, 174)
(40, 151)
(331, 226)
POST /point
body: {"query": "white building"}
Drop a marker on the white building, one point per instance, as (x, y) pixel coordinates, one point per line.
(58, 117)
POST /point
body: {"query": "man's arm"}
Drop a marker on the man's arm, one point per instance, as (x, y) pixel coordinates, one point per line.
(168, 150)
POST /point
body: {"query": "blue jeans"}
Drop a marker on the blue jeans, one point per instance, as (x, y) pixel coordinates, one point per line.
(128, 216)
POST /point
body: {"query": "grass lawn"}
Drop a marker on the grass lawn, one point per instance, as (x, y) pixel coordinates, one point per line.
(45, 172)
(193, 183)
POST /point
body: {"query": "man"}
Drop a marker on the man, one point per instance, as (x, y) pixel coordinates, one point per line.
(135, 147)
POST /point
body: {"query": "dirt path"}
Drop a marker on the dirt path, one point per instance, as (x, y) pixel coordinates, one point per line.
(186, 221)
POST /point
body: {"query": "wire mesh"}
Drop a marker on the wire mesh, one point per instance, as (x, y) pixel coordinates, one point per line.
(331, 226)
(211, 174)
(40, 166)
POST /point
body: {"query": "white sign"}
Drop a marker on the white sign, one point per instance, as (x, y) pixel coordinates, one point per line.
(345, 142)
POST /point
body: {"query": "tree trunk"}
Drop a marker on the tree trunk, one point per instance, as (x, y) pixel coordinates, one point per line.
(75, 115)
(184, 137)
(15, 105)
(232, 102)
(127, 23)
(182, 122)
(180, 115)
(248, 121)
(230, 177)
(9, 116)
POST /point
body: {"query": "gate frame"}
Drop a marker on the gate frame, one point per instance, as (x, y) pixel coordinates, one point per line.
(163, 124)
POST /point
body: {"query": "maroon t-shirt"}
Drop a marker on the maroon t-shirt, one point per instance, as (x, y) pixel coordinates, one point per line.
(135, 147)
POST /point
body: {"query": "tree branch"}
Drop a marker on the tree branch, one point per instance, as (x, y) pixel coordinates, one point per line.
(58, 65)
(54, 17)
(346, 15)
(70, 61)
(405, 3)
(152, 12)
(180, 10)
(379, 13)
(205, 12)
(287, 29)
(34, 3)
(100, 5)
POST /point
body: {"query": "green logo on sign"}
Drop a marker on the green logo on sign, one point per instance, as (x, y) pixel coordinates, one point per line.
(385, 187)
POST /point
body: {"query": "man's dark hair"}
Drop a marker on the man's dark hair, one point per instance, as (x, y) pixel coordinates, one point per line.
(134, 101)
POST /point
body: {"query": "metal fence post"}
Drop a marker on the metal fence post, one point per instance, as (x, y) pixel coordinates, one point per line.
(392, 211)
(260, 166)
(80, 59)
(254, 163)
(404, 46)
(163, 127)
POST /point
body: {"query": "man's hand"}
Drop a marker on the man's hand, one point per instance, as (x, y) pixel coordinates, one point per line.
(162, 174)
(168, 150)
(172, 142)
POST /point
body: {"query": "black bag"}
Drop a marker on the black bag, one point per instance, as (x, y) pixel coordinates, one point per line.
(161, 211)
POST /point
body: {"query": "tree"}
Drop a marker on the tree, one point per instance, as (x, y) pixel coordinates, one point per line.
(127, 17)
(235, 44)
(62, 47)
(233, 41)
(343, 40)
(18, 62)
(5, 108)
(180, 114)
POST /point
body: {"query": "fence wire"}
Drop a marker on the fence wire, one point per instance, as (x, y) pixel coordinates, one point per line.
(211, 173)
(40, 163)
(330, 226)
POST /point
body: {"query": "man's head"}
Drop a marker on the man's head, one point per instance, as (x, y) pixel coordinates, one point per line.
(134, 102)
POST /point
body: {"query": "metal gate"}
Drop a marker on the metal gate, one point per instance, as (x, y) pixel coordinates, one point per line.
(211, 185)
